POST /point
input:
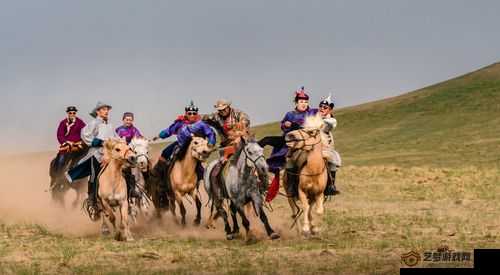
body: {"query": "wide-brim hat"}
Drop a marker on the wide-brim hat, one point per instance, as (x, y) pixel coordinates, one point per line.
(98, 106)
(222, 104)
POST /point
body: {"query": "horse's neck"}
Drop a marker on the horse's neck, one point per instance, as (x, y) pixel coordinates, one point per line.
(189, 162)
(241, 164)
(315, 160)
(114, 169)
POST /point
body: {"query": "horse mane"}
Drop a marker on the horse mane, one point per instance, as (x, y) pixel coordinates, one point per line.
(314, 122)
(236, 156)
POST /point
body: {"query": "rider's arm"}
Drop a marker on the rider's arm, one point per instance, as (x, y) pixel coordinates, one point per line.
(287, 118)
(89, 134)
(60, 132)
(174, 128)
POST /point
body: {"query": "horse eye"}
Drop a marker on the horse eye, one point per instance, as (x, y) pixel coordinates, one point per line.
(117, 149)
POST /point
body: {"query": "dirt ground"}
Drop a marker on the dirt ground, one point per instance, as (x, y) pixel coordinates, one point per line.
(382, 213)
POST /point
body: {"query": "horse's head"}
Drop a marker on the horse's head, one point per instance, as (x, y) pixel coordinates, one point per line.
(140, 146)
(200, 149)
(254, 158)
(118, 149)
(307, 137)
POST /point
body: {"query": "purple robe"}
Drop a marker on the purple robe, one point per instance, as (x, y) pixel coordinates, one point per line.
(277, 159)
(128, 132)
(70, 131)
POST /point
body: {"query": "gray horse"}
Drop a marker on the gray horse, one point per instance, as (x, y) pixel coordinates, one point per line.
(59, 184)
(242, 181)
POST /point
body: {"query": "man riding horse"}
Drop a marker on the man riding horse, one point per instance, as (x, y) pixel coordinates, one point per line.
(128, 131)
(227, 121)
(184, 127)
(69, 136)
(93, 135)
(281, 157)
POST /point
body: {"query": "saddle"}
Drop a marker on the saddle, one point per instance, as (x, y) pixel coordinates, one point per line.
(71, 147)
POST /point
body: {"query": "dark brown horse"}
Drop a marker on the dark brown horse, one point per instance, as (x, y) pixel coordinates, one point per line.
(59, 184)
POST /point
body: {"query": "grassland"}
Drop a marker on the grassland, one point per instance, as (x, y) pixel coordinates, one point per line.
(421, 174)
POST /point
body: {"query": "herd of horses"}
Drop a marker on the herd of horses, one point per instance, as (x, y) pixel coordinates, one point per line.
(240, 187)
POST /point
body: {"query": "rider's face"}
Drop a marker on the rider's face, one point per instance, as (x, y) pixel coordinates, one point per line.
(128, 121)
(103, 113)
(325, 110)
(225, 112)
(71, 115)
(192, 116)
(302, 105)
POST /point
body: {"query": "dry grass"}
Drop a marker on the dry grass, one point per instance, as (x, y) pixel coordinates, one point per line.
(382, 213)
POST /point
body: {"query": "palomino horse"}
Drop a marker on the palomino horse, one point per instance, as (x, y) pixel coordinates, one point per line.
(59, 185)
(112, 190)
(244, 179)
(312, 176)
(140, 146)
(184, 180)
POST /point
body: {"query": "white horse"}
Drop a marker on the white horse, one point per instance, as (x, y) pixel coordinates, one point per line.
(140, 146)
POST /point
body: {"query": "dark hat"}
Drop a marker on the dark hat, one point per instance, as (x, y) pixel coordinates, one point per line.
(71, 109)
(191, 107)
(327, 101)
(128, 114)
(301, 94)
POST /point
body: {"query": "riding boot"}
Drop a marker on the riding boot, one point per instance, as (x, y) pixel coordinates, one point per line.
(330, 189)
(131, 187)
(92, 207)
(292, 181)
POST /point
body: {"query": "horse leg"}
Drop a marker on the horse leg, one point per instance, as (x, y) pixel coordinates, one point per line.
(196, 198)
(124, 226)
(250, 237)
(306, 227)
(320, 209)
(257, 205)
(236, 228)
(222, 212)
(183, 212)
(109, 216)
(172, 210)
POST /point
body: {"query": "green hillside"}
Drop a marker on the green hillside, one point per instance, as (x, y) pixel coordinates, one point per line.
(453, 123)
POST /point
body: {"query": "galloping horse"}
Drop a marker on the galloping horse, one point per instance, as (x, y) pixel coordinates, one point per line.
(243, 180)
(112, 190)
(59, 184)
(140, 146)
(183, 177)
(312, 176)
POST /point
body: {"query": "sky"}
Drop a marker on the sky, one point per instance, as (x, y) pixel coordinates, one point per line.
(152, 57)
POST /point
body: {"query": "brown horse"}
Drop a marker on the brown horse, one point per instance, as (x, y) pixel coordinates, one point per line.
(312, 176)
(113, 189)
(183, 178)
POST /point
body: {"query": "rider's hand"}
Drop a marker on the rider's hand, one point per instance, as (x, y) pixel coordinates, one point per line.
(287, 124)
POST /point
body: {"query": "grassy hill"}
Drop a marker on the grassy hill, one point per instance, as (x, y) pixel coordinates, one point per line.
(453, 123)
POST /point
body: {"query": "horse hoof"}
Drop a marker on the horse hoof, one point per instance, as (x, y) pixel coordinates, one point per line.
(105, 232)
(274, 236)
(251, 240)
(306, 234)
(197, 223)
(230, 237)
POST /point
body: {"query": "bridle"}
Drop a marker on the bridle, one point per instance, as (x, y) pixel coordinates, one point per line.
(253, 161)
(303, 139)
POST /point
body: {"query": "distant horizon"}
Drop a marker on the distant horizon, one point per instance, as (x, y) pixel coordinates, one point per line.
(84, 115)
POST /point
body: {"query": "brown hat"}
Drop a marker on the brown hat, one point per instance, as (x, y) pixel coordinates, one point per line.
(222, 104)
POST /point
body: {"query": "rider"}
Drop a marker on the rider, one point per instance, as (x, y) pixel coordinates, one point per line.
(224, 120)
(183, 127)
(93, 135)
(129, 131)
(293, 120)
(69, 135)
(326, 110)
